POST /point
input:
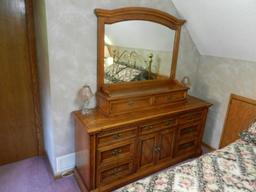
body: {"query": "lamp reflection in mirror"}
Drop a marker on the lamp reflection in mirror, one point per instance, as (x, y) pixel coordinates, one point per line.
(84, 95)
(108, 60)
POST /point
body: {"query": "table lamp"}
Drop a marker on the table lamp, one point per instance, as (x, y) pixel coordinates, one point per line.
(85, 94)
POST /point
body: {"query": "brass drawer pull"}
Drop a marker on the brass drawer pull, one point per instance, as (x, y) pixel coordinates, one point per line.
(131, 103)
(116, 136)
(188, 130)
(148, 127)
(157, 149)
(186, 145)
(116, 170)
(116, 152)
(169, 98)
(168, 123)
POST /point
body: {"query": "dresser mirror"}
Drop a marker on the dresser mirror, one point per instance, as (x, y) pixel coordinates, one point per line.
(137, 50)
(136, 47)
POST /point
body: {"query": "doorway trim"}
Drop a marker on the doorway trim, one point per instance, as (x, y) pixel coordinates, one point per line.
(34, 75)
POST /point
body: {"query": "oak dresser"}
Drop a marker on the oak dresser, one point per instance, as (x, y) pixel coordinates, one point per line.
(144, 121)
(112, 151)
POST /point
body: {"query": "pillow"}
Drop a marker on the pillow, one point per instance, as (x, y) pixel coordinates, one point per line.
(114, 69)
(250, 134)
(128, 74)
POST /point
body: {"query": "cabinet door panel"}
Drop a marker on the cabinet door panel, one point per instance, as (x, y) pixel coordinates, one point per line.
(166, 141)
(147, 145)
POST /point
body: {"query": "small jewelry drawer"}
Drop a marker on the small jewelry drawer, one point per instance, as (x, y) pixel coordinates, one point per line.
(115, 153)
(108, 174)
(169, 98)
(131, 104)
(190, 117)
(116, 135)
(157, 125)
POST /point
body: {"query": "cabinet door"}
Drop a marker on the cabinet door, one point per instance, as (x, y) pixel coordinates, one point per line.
(165, 145)
(147, 150)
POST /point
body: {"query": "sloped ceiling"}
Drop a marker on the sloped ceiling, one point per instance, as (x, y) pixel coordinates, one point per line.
(224, 28)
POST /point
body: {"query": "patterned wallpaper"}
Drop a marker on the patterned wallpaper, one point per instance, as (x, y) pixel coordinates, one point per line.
(217, 78)
(72, 46)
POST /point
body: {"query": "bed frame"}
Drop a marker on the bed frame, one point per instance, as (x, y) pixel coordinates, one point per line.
(241, 112)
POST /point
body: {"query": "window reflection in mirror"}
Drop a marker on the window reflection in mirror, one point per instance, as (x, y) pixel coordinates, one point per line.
(136, 51)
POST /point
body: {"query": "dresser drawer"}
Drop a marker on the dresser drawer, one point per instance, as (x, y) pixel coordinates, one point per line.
(189, 131)
(109, 174)
(169, 98)
(116, 135)
(131, 104)
(157, 125)
(116, 153)
(186, 147)
(191, 117)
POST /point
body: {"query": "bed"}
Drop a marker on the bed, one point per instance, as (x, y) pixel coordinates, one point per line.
(128, 66)
(230, 169)
(121, 72)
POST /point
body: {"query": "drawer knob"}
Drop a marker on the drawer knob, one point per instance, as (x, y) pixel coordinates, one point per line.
(116, 152)
(116, 136)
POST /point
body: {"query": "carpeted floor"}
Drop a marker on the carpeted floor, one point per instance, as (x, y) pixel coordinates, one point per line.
(33, 175)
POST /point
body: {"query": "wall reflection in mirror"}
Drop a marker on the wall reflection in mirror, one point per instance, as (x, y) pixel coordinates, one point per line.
(137, 51)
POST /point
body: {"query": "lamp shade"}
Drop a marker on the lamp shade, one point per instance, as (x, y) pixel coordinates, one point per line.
(85, 93)
(186, 81)
(106, 51)
(107, 57)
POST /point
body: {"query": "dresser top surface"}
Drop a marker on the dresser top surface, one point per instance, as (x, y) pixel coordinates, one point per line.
(96, 121)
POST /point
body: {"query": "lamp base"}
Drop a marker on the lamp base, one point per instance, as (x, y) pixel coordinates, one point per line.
(86, 111)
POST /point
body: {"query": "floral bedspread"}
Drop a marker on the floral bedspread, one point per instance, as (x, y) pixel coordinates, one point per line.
(231, 169)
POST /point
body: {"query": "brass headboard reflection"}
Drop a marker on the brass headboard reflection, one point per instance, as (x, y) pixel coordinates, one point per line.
(129, 63)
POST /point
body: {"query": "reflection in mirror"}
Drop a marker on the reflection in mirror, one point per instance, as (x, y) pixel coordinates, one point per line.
(136, 51)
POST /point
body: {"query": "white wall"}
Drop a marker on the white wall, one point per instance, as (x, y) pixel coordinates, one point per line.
(217, 78)
(223, 28)
(72, 47)
(44, 80)
(141, 35)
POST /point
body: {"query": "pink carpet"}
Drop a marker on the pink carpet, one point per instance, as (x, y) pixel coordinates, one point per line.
(33, 175)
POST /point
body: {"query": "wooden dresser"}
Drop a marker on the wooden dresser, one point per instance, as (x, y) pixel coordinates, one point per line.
(112, 151)
(144, 124)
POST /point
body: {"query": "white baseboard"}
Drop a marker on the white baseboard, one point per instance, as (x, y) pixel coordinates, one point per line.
(65, 163)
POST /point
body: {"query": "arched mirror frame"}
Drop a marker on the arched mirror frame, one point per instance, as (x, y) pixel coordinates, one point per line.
(134, 13)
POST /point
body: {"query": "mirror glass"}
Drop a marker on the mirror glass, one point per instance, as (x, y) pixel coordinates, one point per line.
(136, 51)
